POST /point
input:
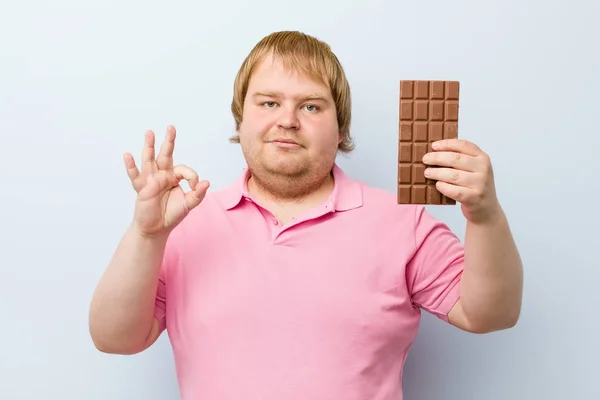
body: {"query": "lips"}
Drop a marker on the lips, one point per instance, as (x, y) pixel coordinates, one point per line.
(286, 141)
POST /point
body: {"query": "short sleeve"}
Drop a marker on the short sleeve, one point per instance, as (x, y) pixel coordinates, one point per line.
(435, 270)
(160, 303)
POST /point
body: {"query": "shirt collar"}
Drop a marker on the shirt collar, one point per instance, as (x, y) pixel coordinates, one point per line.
(346, 195)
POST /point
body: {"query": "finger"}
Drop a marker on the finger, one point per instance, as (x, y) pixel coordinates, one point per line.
(165, 156)
(132, 171)
(457, 145)
(452, 191)
(450, 175)
(150, 190)
(451, 160)
(157, 183)
(185, 172)
(148, 162)
(461, 194)
(195, 197)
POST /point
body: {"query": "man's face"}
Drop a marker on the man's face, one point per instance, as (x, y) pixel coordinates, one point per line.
(289, 125)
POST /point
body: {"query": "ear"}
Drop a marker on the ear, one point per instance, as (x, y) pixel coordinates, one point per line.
(341, 137)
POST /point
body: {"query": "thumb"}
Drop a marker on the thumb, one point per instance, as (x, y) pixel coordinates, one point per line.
(196, 195)
(185, 172)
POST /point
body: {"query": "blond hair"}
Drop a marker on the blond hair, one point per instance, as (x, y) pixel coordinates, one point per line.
(308, 55)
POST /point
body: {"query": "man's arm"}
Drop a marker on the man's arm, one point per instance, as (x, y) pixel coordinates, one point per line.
(492, 281)
(121, 317)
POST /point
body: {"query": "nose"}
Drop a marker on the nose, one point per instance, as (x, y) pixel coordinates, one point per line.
(287, 118)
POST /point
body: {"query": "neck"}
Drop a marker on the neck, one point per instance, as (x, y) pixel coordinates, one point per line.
(283, 190)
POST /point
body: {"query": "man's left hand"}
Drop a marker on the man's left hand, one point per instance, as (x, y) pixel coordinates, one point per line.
(464, 173)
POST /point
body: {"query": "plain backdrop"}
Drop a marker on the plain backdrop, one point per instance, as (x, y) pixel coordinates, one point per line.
(80, 82)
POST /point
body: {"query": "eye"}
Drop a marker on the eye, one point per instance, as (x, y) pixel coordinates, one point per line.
(311, 107)
(270, 104)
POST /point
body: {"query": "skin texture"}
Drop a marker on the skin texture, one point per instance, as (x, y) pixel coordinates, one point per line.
(283, 105)
(492, 282)
(289, 136)
(121, 318)
(289, 178)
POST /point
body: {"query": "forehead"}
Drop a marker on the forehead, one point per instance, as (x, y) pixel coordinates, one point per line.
(271, 74)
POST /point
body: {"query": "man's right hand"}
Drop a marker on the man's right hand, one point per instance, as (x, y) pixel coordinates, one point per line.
(161, 203)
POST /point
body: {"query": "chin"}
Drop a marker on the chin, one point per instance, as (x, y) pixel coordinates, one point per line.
(286, 167)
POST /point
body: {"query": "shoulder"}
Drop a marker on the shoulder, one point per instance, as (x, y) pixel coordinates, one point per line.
(411, 222)
(213, 207)
(379, 201)
(381, 206)
(377, 214)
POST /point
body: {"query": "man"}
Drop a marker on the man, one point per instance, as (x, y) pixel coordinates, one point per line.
(297, 282)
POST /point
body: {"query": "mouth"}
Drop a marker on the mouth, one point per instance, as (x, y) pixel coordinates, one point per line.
(288, 143)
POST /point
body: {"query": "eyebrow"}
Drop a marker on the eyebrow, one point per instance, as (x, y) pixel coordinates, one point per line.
(312, 96)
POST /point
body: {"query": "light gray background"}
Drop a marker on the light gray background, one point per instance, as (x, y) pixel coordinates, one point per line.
(81, 81)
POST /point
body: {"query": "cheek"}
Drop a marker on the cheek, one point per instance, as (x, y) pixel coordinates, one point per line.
(255, 124)
(325, 131)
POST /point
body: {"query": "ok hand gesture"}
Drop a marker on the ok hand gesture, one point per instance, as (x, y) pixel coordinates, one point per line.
(161, 203)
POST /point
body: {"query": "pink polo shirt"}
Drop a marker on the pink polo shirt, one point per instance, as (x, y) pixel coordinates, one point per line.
(324, 308)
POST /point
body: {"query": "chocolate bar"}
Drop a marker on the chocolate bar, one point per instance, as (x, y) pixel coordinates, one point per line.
(428, 112)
